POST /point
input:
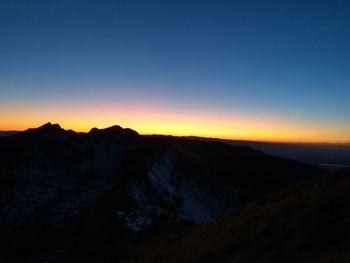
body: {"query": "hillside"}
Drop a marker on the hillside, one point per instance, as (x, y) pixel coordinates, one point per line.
(306, 223)
(62, 192)
(333, 156)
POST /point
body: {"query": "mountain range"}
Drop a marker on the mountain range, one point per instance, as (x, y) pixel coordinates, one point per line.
(112, 195)
(331, 156)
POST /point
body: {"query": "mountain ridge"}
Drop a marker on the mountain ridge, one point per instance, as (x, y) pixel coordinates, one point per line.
(330, 156)
(336, 154)
(60, 187)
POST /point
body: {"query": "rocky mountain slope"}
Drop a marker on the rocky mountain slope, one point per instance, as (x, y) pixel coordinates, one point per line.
(306, 223)
(63, 192)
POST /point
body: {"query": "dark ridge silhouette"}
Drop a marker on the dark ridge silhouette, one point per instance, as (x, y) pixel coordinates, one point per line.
(115, 130)
(46, 128)
(47, 131)
(332, 156)
(67, 196)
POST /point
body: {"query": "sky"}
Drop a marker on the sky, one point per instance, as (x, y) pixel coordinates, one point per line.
(252, 69)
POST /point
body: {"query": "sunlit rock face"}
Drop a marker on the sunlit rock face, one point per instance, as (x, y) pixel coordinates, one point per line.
(60, 188)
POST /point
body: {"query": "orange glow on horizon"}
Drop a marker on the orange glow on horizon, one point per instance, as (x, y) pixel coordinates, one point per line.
(186, 122)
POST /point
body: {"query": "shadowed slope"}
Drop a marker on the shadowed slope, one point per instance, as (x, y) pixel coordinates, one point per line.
(307, 223)
(63, 192)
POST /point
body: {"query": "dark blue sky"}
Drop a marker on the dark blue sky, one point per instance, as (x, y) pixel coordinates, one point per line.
(281, 59)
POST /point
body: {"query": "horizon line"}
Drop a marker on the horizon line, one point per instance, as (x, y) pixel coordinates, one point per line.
(197, 136)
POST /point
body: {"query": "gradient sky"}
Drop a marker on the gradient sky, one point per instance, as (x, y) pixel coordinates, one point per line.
(261, 70)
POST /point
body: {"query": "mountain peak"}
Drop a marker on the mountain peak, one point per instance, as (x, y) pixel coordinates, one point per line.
(49, 130)
(113, 130)
(50, 126)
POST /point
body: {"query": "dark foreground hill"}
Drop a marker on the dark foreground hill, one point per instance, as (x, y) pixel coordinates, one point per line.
(307, 223)
(86, 196)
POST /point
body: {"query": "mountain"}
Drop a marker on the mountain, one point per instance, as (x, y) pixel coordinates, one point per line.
(333, 156)
(66, 195)
(306, 223)
(7, 133)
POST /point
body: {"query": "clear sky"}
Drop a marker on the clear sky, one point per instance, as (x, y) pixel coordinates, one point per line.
(266, 70)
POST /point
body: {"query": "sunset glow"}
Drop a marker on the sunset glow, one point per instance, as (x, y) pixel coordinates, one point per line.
(155, 119)
(236, 70)
(126, 123)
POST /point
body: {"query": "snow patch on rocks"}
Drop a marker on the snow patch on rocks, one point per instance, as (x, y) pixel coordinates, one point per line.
(198, 202)
(135, 220)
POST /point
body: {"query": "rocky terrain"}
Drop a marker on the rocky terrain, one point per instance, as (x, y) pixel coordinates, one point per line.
(308, 222)
(90, 197)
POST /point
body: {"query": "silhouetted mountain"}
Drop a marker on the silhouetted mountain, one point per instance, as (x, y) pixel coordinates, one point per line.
(113, 132)
(45, 132)
(67, 195)
(333, 156)
(306, 223)
(7, 133)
